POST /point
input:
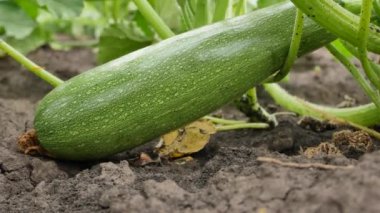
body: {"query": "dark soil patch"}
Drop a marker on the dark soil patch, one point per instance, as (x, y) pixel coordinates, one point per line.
(225, 177)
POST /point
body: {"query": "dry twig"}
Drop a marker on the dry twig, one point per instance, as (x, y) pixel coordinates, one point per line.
(302, 165)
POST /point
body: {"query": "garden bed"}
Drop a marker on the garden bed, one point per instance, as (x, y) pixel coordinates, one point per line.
(224, 177)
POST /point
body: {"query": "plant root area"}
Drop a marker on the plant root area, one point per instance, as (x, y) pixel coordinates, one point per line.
(238, 171)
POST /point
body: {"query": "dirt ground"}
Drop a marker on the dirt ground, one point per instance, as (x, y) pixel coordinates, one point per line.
(225, 177)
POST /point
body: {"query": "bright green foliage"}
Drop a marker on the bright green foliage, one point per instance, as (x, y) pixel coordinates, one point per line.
(63, 9)
(32, 23)
(266, 3)
(30, 7)
(36, 39)
(28, 24)
(117, 40)
(15, 21)
(187, 14)
(169, 11)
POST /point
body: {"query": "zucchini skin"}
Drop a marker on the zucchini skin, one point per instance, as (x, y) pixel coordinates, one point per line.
(138, 97)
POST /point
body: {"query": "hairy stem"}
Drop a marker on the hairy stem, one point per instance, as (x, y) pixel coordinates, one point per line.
(366, 115)
(223, 121)
(353, 50)
(339, 21)
(30, 65)
(363, 33)
(243, 126)
(154, 19)
(294, 46)
(356, 74)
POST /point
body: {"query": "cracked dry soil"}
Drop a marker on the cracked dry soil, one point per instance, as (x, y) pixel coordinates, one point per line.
(225, 177)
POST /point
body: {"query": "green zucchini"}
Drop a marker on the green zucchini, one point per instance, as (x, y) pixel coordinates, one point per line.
(138, 97)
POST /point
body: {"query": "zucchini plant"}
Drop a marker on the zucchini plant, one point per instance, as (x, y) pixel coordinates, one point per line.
(140, 96)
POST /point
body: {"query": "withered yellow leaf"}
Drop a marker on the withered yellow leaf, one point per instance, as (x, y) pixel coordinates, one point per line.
(169, 138)
(187, 140)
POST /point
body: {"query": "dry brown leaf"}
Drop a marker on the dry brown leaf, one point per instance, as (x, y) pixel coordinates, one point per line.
(353, 144)
(324, 148)
(346, 142)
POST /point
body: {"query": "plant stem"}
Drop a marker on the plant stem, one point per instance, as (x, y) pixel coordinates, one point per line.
(202, 14)
(221, 10)
(358, 117)
(294, 46)
(243, 126)
(366, 115)
(356, 74)
(351, 5)
(257, 112)
(223, 121)
(363, 33)
(339, 21)
(353, 50)
(241, 8)
(30, 65)
(154, 19)
(187, 15)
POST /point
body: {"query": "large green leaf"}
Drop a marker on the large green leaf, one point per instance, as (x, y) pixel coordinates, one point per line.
(143, 25)
(30, 7)
(15, 22)
(118, 40)
(36, 39)
(170, 12)
(64, 8)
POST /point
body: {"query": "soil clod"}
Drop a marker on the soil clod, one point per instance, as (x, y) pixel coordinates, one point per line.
(316, 125)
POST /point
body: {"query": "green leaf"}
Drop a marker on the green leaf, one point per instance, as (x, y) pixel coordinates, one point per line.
(118, 40)
(30, 7)
(170, 12)
(15, 21)
(266, 3)
(36, 39)
(187, 14)
(143, 25)
(65, 9)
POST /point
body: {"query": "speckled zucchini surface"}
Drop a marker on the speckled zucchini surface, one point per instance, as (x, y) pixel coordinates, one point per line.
(140, 96)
